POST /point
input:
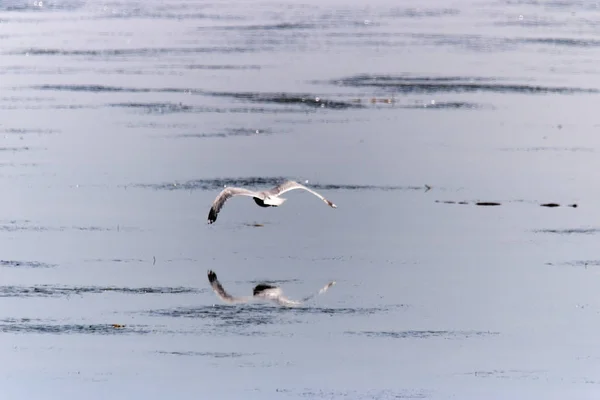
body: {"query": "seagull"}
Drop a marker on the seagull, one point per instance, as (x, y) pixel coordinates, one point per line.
(267, 198)
(262, 291)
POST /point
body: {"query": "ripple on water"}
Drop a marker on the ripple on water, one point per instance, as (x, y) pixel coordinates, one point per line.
(26, 225)
(129, 53)
(414, 334)
(62, 290)
(549, 148)
(289, 99)
(51, 327)
(209, 354)
(570, 231)
(227, 133)
(406, 84)
(28, 131)
(25, 264)
(362, 395)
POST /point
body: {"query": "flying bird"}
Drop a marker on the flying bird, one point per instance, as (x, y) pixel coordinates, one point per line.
(267, 198)
(261, 291)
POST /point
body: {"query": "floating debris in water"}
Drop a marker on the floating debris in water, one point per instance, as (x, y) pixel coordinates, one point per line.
(493, 203)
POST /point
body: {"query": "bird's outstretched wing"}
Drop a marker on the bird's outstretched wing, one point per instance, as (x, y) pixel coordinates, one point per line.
(222, 198)
(323, 290)
(274, 293)
(220, 291)
(291, 185)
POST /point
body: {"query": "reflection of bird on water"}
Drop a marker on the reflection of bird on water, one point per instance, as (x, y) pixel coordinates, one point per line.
(267, 198)
(261, 291)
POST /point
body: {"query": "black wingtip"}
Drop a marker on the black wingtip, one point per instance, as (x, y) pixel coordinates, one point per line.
(212, 216)
(212, 276)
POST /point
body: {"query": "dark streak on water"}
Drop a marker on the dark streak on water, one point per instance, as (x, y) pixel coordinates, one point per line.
(210, 354)
(24, 326)
(127, 53)
(573, 231)
(14, 149)
(357, 395)
(452, 105)
(249, 315)
(60, 291)
(583, 263)
(227, 133)
(507, 374)
(262, 183)
(424, 334)
(549, 148)
(303, 99)
(25, 264)
(14, 226)
(25, 131)
(428, 85)
(222, 67)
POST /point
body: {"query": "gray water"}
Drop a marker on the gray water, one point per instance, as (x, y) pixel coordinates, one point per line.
(121, 121)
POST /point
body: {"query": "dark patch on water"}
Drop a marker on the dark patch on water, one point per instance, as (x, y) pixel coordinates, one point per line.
(60, 291)
(25, 264)
(424, 334)
(28, 326)
(494, 203)
(405, 84)
(227, 133)
(573, 231)
(211, 354)
(261, 183)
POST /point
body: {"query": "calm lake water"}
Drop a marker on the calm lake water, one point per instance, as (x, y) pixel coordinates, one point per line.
(121, 121)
